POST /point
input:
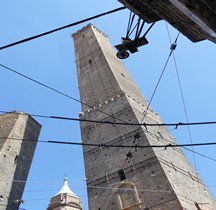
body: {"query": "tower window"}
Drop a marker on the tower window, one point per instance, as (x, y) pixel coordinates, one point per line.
(121, 175)
(203, 206)
(16, 159)
(128, 197)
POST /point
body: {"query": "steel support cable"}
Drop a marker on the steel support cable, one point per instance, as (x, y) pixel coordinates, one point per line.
(61, 28)
(184, 106)
(172, 48)
(153, 95)
(139, 28)
(132, 30)
(182, 97)
(185, 109)
(130, 23)
(136, 26)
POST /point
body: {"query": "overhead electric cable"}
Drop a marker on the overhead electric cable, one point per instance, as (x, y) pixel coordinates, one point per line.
(134, 146)
(197, 153)
(89, 186)
(61, 28)
(200, 154)
(40, 83)
(57, 91)
(113, 145)
(105, 145)
(176, 125)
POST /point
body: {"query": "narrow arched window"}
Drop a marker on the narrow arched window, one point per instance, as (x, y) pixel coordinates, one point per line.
(127, 196)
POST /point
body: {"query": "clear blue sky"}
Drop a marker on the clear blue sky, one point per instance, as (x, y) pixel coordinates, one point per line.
(51, 60)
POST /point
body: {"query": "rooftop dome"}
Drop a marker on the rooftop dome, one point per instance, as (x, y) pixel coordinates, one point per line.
(65, 189)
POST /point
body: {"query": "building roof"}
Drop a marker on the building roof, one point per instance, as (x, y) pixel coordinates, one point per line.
(65, 189)
(195, 19)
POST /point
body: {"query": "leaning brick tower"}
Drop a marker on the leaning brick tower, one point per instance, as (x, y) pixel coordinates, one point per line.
(18, 139)
(120, 177)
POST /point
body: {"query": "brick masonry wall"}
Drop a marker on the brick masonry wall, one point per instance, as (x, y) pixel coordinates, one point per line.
(16, 156)
(164, 178)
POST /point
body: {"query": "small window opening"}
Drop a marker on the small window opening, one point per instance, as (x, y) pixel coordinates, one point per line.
(160, 135)
(16, 159)
(121, 175)
(203, 206)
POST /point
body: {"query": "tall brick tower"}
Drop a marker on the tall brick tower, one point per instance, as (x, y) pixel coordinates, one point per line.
(18, 139)
(120, 177)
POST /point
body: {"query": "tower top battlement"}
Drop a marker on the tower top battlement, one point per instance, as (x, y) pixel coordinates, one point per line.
(82, 30)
